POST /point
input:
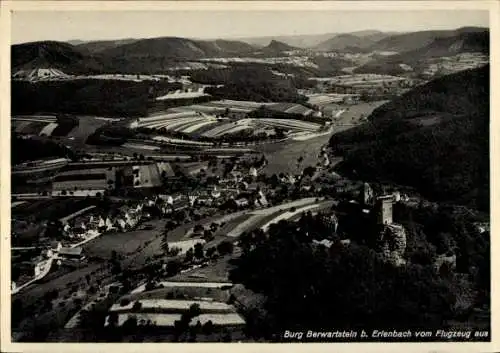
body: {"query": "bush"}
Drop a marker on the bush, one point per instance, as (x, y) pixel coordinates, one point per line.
(124, 302)
(225, 247)
(137, 306)
(208, 327)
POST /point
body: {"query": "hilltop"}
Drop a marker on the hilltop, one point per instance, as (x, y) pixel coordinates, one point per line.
(418, 138)
(101, 45)
(178, 48)
(124, 56)
(53, 55)
(415, 40)
(299, 41)
(276, 47)
(361, 40)
(462, 41)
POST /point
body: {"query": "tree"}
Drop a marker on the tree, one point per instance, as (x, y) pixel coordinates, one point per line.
(173, 267)
(189, 255)
(124, 302)
(226, 336)
(113, 319)
(225, 247)
(194, 310)
(164, 246)
(208, 327)
(137, 306)
(309, 171)
(198, 251)
(130, 324)
(150, 286)
(210, 252)
(290, 272)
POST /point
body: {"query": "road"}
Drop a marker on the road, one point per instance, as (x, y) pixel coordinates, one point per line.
(48, 265)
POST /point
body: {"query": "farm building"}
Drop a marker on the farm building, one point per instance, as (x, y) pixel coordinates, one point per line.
(192, 168)
(241, 202)
(85, 179)
(142, 176)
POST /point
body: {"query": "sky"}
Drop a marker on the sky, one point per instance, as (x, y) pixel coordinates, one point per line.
(30, 26)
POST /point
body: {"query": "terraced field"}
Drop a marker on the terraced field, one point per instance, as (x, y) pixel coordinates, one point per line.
(202, 119)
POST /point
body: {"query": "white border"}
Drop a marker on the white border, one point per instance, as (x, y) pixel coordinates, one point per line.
(7, 6)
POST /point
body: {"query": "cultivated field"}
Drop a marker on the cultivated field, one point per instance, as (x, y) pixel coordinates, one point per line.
(86, 126)
(45, 209)
(34, 127)
(125, 244)
(202, 119)
(46, 125)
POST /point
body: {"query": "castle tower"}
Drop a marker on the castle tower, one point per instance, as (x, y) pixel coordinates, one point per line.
(384, 209)
(367, 195)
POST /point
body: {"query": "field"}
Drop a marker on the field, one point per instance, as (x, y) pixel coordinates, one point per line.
(83, 179)
(181, 122)
(33, 127)
(125, 244)
(361, 79)
(86, 126)
(62, 283)
(326, 98)
(46, 126)
(202, 119)
(186, 289)
(168, 320)
(215, 272)
(49, 208)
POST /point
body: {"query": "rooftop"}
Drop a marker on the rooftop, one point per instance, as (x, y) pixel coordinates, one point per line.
(70, 251)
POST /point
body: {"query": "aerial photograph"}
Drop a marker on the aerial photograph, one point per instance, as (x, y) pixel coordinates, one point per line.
(250, 176)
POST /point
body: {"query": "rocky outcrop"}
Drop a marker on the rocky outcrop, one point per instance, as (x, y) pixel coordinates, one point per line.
(392, 242)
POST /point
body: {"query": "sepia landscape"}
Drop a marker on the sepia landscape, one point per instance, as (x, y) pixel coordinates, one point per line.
(247, 188)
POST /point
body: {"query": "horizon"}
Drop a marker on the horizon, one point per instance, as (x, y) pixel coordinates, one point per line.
(68, 26)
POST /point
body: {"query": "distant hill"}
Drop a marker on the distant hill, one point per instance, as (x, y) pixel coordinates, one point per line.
(416, 40)
(178, 48)
(53, 55)
(299, 41)
(100, 45)
(156, 55)
(352, 41)
(124, 56)
(447, 45)
(276, 47)
(434, 138)
(75, 42)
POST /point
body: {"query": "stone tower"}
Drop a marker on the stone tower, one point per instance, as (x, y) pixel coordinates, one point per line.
(367, 195)
(384, 209)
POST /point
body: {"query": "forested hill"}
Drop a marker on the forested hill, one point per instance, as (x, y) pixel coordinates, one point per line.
(434, 138)
(465, 40)
(51, 54)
